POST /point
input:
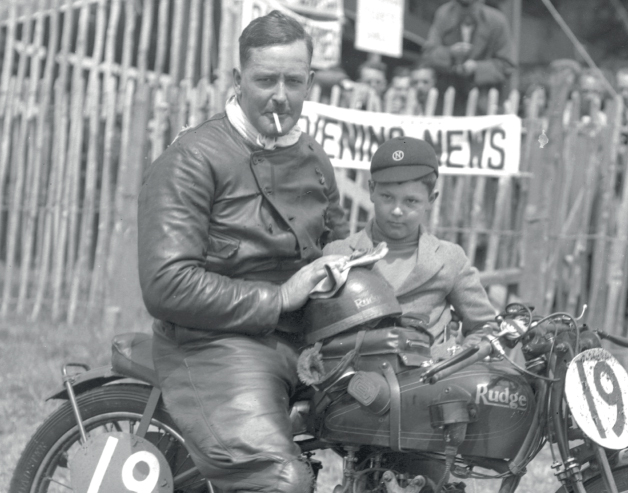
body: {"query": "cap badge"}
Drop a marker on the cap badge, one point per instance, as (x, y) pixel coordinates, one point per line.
(397, 155)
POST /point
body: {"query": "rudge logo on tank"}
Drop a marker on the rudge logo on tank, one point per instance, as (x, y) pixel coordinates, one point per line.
(501, 397)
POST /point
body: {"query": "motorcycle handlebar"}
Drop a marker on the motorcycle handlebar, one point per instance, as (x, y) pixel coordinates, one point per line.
(481, 351)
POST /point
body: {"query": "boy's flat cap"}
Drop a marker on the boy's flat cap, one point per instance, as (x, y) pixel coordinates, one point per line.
(403, 159)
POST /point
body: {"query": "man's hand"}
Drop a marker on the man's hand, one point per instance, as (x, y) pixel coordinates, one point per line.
(469, 67)
(295, 291)
(460, 49)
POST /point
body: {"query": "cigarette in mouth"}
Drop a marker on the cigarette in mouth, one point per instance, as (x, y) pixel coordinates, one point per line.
(277, 123)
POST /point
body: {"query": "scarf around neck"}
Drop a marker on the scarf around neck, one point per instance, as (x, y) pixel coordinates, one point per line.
(245, 128)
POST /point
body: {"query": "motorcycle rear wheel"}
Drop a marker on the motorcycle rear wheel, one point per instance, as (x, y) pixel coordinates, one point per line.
(43, 466)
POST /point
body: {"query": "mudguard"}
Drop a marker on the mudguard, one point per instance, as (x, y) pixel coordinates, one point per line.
(90, 379)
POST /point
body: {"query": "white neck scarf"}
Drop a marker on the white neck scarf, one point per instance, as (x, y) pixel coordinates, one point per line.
(245, 128)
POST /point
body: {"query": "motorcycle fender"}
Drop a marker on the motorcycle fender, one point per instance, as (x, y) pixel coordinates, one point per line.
(90, 379)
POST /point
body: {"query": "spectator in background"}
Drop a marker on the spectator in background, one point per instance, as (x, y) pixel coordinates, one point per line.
(373, 74)
(469, 45)
(422, 79)
(535, 100)
(592, 96)
(368, 91)
(396, 99)
(622, 88)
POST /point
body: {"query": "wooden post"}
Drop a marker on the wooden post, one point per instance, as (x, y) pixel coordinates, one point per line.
(7, 63)
(207, 39)
(36, 132)
(86, 231)
(534, 245)
(19, 160)
(123, 298)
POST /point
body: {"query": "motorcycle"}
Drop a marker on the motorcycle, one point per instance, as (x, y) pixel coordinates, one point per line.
(402, 422)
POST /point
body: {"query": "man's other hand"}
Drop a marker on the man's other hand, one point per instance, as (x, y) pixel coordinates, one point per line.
(295, 291)
(460, 49)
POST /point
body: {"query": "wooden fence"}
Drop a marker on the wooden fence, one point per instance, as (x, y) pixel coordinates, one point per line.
(92, 91)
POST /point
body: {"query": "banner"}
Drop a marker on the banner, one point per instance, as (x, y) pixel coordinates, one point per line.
(327, 35)
(379, 27)
(470, 145)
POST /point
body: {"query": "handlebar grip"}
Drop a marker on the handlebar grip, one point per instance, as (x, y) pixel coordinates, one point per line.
(484, 349)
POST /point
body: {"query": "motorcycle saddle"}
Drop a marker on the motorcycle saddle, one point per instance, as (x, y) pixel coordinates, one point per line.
(132, 356)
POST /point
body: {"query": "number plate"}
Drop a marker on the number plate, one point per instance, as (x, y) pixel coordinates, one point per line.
(596, 387)
(120, 462)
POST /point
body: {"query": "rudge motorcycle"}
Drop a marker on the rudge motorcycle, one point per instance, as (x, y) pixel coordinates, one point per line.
(402, 422)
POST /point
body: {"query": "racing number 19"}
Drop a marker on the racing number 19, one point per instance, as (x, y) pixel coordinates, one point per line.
(612, 398)
(146, 485)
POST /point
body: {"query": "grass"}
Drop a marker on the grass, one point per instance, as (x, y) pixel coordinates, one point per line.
(30, 369)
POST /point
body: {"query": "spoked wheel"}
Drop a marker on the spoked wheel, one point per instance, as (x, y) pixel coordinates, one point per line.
(43, 466)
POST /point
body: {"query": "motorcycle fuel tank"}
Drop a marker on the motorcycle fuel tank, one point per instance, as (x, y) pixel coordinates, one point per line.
(500, 403)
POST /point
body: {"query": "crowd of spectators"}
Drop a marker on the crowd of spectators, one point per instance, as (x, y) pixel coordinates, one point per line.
(469, 45)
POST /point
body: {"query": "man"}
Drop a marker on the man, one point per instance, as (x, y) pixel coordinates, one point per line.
(231, 220)
(368, 91)
(373, 74)
(422, 79)
(591, 98)
(469, 45)
(622, 88)
(397, 95)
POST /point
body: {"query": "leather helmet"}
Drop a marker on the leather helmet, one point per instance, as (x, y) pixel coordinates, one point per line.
(365, 297)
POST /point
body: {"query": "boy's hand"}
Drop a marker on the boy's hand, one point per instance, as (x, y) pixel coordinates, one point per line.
(296, 290)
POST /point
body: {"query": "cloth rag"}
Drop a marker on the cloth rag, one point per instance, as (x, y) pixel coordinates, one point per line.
(337, 272)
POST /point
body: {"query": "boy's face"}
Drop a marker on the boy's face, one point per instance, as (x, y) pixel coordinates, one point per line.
(401, 208)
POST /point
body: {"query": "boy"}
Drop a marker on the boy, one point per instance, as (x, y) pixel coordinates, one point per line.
(429, 275)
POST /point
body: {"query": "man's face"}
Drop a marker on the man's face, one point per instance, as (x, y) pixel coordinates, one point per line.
(423, 81)
(590, 88)
(275, 79)
(622, 86)
(373, 78)
(401, 208)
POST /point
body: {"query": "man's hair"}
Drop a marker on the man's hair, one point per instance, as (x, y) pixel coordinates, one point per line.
(401, 72)
(428, 180)
(423, 66)
(272, 29)
(374, 64)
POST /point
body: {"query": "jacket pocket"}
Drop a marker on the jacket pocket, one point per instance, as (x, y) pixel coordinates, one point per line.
(222, 246)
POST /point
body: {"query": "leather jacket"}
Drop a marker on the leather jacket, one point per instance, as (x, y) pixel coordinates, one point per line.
(221, 224)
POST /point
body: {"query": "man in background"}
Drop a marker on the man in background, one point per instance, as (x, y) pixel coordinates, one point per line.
(422, 80)
(469, 45)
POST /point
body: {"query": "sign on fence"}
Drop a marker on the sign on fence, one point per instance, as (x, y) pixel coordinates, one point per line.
(327, 34)
(480, 145)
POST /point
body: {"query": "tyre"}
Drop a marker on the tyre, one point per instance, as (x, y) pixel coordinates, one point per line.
(596, 485)
(43, 466)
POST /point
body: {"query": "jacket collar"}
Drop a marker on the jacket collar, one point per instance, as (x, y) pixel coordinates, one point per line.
(430, 262)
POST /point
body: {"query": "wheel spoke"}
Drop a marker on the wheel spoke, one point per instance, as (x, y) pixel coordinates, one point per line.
(52, 480)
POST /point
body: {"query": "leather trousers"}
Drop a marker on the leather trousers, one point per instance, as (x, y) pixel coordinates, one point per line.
(229, 396)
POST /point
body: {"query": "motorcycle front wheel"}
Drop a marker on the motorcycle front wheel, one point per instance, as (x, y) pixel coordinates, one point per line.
(43, 466)
(596, 484)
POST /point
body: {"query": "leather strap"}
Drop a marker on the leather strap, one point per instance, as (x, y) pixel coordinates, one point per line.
(395, 407)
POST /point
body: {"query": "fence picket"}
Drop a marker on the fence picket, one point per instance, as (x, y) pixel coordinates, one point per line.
(18, 163)
(36, 112)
